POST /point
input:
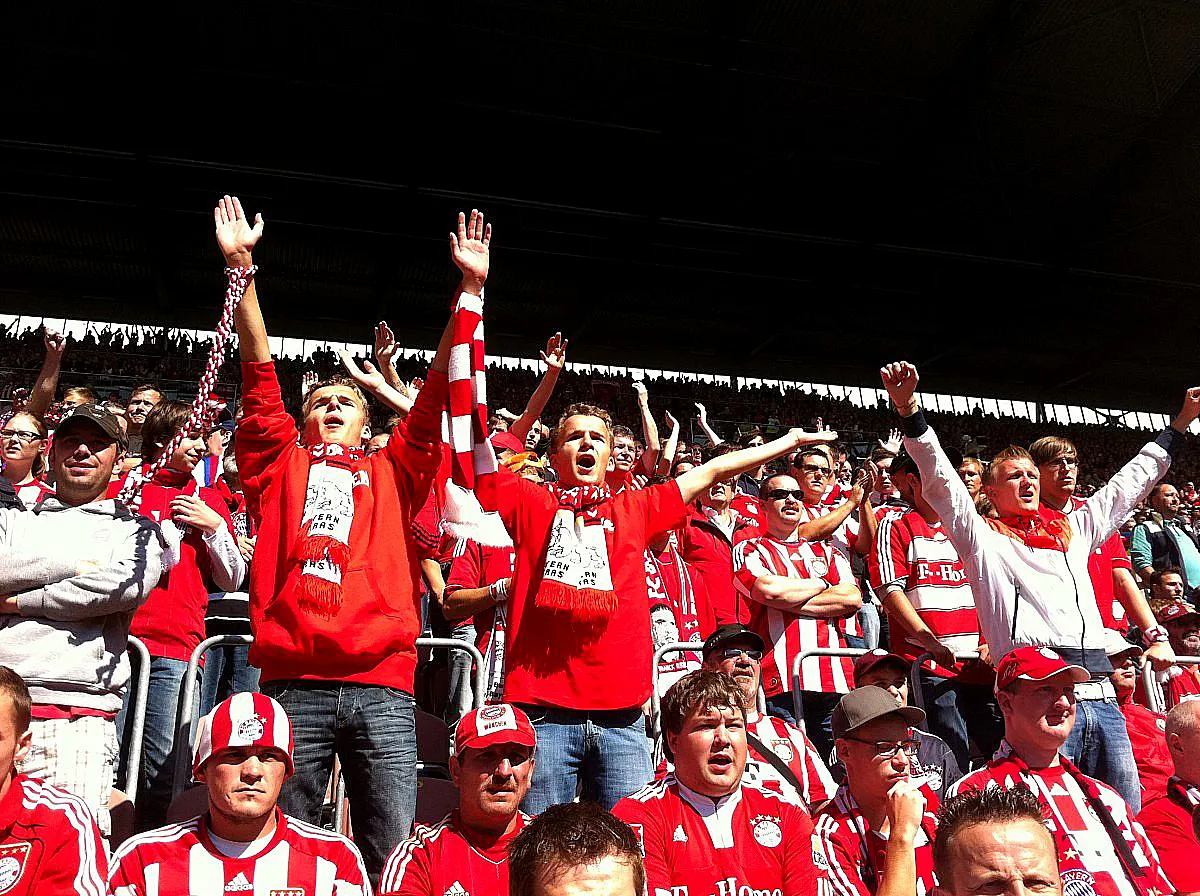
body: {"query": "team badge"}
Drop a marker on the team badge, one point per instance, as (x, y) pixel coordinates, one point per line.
(12, 863)
(492, 712)
(252, 729)
(1078, 882)
(1048, 653)
(783, 749)
(767, 831)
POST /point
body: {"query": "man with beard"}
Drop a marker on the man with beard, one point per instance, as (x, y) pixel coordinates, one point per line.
(1182, 624)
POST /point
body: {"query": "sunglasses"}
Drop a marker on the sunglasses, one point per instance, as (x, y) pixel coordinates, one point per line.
(778, 494)
(732, 653)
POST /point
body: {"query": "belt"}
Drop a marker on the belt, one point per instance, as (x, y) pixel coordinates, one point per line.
(1096, 689)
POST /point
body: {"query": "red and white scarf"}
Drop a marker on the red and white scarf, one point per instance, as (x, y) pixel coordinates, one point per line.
(577, 577)
(324, 543)
(470, 505)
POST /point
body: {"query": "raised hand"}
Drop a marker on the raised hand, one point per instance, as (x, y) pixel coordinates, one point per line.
(1189, 411)
(385, 345)
(893, 442)
(555, 354)
(235, 235)
(370, 379)
(900, 379)
(703, 415)
(307, 380)
(56, 342)
(671, 421)
(802, 438)
(469, 249)
(640, 388)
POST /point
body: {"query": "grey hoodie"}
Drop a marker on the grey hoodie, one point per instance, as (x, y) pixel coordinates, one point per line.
(78, 574)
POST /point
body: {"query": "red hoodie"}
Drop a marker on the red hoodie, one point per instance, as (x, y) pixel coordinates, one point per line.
(371, 639)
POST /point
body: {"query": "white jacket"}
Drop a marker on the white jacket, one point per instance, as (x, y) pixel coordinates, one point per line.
(1026, 595)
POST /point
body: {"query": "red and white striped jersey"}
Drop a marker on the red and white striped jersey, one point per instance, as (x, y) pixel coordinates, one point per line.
(841, 540)
(49, 842)
(445, 858)
(749, 841)
(789, 634)
(1086, 845)
(32, 492)
(853, 855)
(181, 858)
(918, 557)
(796, 751)
(1180, 683)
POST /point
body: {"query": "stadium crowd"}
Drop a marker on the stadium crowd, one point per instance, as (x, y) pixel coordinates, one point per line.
(1002, 696)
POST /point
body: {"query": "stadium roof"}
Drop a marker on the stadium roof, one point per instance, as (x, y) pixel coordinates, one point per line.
(1006, 192)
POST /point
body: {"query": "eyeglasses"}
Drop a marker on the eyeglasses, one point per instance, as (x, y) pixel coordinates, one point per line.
(1066, 463)
(813, 468)
(732, 653)
(887, 749)
(21, 435)
(778, 494)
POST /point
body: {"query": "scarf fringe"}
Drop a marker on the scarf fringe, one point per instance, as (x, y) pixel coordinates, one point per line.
(315, 548)
(319, 596)
(586, 603)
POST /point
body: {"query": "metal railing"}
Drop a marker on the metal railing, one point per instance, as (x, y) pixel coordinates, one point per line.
(1155, 699)
(916, 691)
(187, 720)
(797, 702)
(137, 709)
(656, 698)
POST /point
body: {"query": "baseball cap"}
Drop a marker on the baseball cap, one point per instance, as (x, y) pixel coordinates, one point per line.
(1115, 644)
(903, 461)
(244, 720)
(877, 657)
(1035, 664)
(867, 704)
(506, 441)
(1176, 611)
(501, 723)
(731, 632)
(94, 413)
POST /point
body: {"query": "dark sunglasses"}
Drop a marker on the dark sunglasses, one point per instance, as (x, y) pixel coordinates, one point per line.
(778, 494)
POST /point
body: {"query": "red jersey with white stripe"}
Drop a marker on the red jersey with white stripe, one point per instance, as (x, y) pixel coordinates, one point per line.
(1180, 683)
(49, 842)
(841, 540)
(478, 566)
(1104, 559)
(182, 858)
(699, 846)
(1147, 732)
(917, 557)
(446, 858)
(789, 634)
(32, 492)
(796, 751)
(854, 856)
(1086, 842)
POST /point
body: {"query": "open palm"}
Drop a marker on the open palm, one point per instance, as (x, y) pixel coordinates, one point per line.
(235, 235)
(469, 247)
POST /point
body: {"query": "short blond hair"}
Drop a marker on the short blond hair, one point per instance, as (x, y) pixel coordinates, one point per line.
(579, 409)
(337, 380)
(1012, 452)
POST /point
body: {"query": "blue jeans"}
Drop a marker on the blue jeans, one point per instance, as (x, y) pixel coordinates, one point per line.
(604, 754)
(461, 690)
(153, 789)
(1099, 745)
(373, 731)
(868, 620)
(818, 716)
(958, 713)
(227, 671)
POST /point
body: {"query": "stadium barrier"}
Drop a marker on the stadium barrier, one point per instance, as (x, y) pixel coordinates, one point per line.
(187, 719)
(137, 710)
(1155, 699)
(915, 691)
(797, 703)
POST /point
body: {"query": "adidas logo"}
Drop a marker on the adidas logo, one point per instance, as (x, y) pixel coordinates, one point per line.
(679, 836)
(239, 884)
(457, 889)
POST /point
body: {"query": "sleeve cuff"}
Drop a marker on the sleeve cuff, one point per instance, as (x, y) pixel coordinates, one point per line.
(914, 425)
(1171, 441)
(259, 375)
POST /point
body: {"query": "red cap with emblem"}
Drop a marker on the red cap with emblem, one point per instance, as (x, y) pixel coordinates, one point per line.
(244, 720)
(1035, 664)
(1175, 611)
(497, 724)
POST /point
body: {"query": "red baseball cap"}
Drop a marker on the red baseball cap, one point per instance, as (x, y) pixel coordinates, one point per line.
(876, 657)
(1035, 664)
(501, 723)
(1175, 611)
(244, 720)
(506, 441)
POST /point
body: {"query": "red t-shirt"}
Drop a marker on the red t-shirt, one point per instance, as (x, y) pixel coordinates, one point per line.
(1147, 732)
(1181, 683)
(49, 842)
(709, 554)
(554, 658)
(1168, 823)
(445, 858)
(477, 566)
(748, 842)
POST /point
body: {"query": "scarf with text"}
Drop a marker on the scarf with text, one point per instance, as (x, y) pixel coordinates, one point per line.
(577, 576)
(324, 543)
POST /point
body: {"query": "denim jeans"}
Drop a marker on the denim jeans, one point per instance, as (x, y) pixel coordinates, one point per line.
(227, 671)
(818, 716)
(958, 712)
(153, 790)
(604, 754)
(373, 731)
(461, 692)
(1099, 745)
(868, 621)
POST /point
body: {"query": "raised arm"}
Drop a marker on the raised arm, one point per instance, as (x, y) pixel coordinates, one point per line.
(375, 382)
(237, 239)
(702, 419)
(555, 357)
(385, 354)
(649, 458)
(667, 457)
(727, 466)
(47, 382)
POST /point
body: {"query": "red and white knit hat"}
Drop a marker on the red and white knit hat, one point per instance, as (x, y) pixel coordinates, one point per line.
(244, 720)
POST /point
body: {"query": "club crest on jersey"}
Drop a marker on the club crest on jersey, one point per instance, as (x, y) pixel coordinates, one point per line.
(1078, 882)
(289, 891)
(766, 831)
(252, 729)
(12, 863)
(783, 749)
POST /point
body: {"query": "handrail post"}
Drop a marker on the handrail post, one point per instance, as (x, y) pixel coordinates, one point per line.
(137, 733)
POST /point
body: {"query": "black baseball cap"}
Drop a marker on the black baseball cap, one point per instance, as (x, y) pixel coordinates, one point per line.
(863, 705)
(732, 631)
(903, 461)
(102, 417)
